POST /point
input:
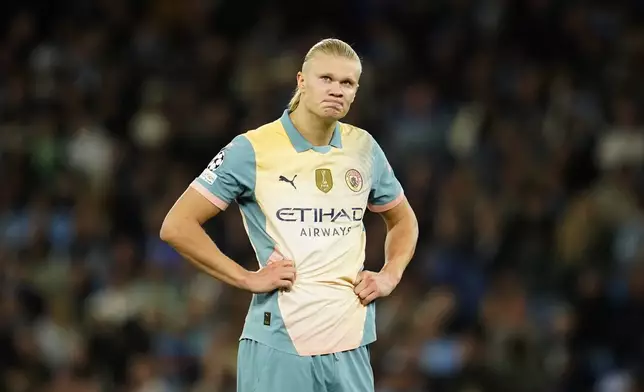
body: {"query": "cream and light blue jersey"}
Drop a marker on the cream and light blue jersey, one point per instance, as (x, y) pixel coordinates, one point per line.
(306, 203)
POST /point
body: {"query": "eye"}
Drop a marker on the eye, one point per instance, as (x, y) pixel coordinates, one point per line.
(326, 78)
(347, 83)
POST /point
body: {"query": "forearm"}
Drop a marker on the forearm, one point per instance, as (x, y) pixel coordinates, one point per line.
(400, 246)
(191, 241)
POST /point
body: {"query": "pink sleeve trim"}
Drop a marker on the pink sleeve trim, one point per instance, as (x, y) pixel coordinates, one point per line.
(222, 205)
(388, 206)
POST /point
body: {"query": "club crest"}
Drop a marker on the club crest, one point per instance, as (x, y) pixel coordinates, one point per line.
(353, 179)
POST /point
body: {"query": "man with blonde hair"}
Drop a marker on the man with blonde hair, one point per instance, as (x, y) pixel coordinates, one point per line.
(303, 183)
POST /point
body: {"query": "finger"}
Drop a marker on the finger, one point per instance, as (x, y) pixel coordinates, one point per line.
(285, 284)
(370, 298)
(360, 287)
(367, 292)
(359, 278)
(288, 270)
(364, 282)
(282, 263)
(287, 275)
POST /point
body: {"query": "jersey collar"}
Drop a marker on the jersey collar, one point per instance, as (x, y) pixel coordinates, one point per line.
(299, 142)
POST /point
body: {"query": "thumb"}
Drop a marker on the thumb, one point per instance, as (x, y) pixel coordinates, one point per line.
(360, 276)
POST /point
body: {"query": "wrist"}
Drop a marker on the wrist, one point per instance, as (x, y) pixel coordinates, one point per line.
(391, 272)
(244, 280)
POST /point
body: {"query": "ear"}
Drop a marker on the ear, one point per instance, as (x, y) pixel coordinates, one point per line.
(300, 81)
(356, 93)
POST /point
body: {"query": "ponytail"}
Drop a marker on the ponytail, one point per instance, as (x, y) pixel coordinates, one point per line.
(295, 100)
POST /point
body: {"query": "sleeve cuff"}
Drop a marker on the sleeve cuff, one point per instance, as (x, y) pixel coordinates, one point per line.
(386, 206)
(219, 203)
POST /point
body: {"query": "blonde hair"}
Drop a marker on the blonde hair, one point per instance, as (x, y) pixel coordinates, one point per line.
(328, 46)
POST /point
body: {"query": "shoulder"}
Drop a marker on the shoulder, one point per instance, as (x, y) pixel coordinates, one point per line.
(354, 132)
(251, 141)
(265, 135)
(270, 144)
(358, 138)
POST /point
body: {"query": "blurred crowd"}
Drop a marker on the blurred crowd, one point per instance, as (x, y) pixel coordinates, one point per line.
(514, 126)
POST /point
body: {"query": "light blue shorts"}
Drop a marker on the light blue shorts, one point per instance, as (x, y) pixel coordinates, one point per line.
(263, 369)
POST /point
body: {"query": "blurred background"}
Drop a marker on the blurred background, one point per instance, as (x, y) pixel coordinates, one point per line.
(514, 126)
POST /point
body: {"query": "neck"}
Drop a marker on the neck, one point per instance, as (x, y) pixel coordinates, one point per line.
(316, 130)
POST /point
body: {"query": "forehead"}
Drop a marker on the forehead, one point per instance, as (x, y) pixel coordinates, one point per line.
(340, 67)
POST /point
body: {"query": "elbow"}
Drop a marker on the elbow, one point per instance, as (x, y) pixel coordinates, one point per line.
(169, 231)
(411, 222)
(414, 229)
(414, 225)
(412, 232)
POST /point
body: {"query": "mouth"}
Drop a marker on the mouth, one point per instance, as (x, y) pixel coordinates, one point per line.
(335, 104)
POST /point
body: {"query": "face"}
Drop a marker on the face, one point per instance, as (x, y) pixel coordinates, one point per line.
(329, 85)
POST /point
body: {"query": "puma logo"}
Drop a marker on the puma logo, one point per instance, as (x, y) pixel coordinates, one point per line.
(292, 182)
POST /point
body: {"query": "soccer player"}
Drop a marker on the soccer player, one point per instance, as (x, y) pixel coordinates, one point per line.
(303, 183)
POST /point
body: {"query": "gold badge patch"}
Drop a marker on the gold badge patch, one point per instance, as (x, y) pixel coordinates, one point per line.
(323, 180)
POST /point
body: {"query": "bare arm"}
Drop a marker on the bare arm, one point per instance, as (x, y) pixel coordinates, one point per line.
(400, 244)
(182, 229)
(402, 236)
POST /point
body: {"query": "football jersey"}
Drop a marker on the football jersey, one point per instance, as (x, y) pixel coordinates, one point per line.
(306, 203)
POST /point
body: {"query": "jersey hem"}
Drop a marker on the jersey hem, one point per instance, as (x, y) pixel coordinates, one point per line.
(291, 352)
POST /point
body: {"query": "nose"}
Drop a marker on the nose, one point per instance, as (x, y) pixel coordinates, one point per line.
(335, 90)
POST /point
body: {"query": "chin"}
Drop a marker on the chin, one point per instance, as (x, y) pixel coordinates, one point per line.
(332, 114)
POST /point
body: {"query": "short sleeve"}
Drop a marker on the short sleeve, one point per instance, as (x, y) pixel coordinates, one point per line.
(386, 191)
(230, 175)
